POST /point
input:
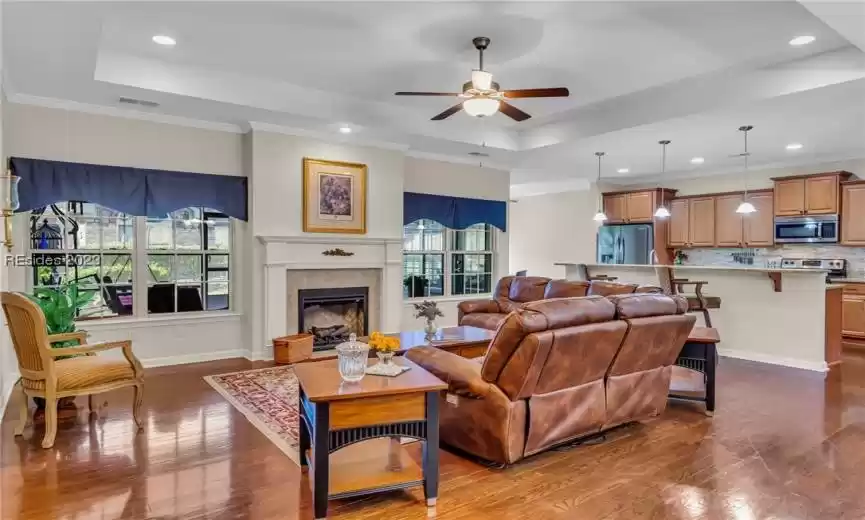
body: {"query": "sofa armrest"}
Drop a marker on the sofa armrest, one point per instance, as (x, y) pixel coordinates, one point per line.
(472, 306)
(462, 375)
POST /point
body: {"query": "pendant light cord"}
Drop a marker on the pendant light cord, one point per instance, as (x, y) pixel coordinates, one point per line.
(598, 182)
(745, 130)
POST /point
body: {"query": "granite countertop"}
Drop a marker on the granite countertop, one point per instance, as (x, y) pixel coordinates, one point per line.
(706, 267)
(846, 280)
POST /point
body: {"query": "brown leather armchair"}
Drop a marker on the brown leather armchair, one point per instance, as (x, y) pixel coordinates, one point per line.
(512, 292)
(558, 370)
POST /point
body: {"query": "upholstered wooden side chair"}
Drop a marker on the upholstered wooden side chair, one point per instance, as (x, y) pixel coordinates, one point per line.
(45, 376)
(697, 302)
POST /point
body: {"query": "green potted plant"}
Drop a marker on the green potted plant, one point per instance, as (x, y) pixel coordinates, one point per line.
(61, 305)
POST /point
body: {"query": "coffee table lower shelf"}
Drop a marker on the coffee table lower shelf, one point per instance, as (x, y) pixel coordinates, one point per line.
(369, 467)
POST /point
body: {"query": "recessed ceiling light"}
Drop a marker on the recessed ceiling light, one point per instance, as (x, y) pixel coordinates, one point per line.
(698, 160)
(623, 170)
(802, 40)
(345, 130)
(161, 39)
(794, 146)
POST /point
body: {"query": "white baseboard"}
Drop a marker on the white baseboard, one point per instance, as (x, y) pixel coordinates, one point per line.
(194, 358)
(817, 366)
(266, 354)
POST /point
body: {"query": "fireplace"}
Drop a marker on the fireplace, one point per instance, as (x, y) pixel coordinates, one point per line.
(330, 315)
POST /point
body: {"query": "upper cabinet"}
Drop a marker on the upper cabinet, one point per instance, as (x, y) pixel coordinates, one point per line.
(728, 223)
(616, 208)
(759, 227)
(633, 207)
(701, 229)
(677, 234)
(853, 213)
(808, 195)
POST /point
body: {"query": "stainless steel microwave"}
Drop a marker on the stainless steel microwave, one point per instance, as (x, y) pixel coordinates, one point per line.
(806, 229)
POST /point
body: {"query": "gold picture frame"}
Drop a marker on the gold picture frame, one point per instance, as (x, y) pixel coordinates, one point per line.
(334, 196)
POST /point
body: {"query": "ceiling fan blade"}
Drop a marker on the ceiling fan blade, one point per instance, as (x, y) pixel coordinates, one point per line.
(449, 112)
(512, 112)
(536, 93)
(425, 94)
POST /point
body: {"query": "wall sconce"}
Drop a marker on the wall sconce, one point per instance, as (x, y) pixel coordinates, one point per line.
(8, 203)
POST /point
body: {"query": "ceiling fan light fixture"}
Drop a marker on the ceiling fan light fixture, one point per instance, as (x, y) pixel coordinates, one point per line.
(746, 208)
(481, 106)
(482, 80)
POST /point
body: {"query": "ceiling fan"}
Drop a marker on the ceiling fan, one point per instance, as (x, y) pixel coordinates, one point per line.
(482, 97)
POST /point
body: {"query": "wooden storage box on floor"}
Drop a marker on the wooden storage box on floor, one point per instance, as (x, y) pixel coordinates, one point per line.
(292, 349)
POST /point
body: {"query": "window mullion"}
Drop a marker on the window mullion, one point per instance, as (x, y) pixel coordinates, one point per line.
(139, 265)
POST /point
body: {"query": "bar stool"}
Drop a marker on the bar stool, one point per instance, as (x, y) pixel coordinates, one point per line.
(697, 302)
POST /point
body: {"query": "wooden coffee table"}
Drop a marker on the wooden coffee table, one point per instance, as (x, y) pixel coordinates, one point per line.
(334, 415)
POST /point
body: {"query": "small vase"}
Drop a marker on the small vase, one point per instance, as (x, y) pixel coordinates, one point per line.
(385, 358)
(430, 328)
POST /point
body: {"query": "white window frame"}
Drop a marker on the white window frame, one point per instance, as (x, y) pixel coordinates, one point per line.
(449, 240)
(139, 254)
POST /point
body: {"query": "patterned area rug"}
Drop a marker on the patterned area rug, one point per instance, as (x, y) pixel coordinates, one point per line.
(268, 398)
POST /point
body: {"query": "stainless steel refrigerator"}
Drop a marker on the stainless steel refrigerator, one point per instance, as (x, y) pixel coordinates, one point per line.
(625, 244)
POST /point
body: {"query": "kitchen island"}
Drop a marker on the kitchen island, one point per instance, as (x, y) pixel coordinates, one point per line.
(769, 315)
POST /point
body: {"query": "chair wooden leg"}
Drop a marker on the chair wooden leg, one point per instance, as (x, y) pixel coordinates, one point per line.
(90, 404)
(706, 317)
(50, 422)
(24, 411)
(136, 406)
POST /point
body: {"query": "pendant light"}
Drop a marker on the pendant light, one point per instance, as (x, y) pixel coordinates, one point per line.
(662, 211)
(746, 207)
(600, 216)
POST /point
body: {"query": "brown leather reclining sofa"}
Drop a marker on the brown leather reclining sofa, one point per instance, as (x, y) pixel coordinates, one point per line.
(558, 370)
(514, 291)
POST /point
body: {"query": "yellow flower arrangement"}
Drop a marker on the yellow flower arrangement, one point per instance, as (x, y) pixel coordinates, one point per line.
(382, 343)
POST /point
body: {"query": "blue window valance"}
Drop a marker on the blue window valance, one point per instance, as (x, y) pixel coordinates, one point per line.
(454, 212)
(135, 191)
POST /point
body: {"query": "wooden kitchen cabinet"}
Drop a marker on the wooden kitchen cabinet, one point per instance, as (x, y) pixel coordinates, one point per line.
(641, 207)
(616, 208)
(821, 195)
(853, 213)
(759, 227)
(701, 222)
(634, 207)
(808, 194)
(853, 315)
(729, 228)
(790, 197)
(677, 230)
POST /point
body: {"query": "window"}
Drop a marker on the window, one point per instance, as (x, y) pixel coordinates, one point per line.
(89, 245)
(438, 261)
(188, 261)
(186, 258)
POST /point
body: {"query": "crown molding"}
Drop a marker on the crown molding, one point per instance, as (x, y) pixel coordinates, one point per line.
(103, 110)
(347, 139)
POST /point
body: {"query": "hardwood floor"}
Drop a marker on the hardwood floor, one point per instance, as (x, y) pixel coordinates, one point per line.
(784, 444)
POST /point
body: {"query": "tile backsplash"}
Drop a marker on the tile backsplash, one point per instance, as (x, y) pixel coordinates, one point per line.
(763, 256)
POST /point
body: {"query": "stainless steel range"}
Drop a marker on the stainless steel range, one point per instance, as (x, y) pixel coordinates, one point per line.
(837, 267)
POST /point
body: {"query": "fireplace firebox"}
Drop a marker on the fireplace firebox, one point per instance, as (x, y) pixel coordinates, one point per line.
(330, 315)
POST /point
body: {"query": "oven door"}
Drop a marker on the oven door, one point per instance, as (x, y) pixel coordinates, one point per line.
(792, 230)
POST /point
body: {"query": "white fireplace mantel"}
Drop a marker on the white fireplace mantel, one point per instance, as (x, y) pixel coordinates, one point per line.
(283, 254)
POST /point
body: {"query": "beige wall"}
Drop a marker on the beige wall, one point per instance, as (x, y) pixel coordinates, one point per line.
(553, 228)
(63, 135)
(457, 180)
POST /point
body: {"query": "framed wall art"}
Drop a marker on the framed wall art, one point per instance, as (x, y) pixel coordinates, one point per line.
(334, 196)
